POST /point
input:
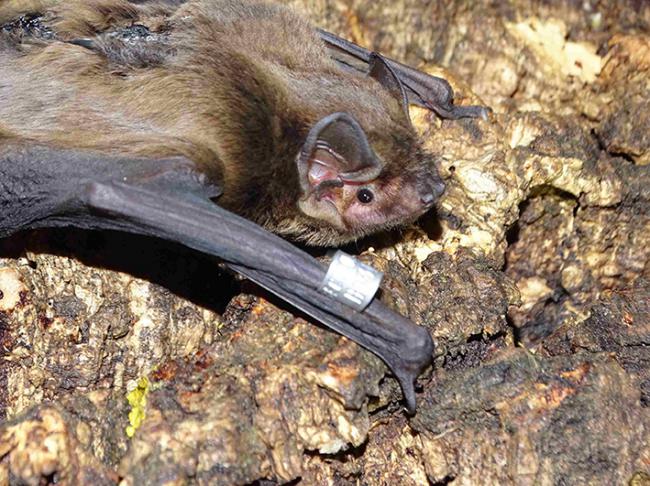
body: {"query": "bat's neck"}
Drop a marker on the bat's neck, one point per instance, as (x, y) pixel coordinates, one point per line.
(263, 186)
(258, 144)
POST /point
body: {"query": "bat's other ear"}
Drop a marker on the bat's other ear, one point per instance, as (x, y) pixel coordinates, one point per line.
(381, 71)
(336, 151)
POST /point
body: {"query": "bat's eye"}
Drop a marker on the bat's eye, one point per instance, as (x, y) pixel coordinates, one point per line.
(365, 196)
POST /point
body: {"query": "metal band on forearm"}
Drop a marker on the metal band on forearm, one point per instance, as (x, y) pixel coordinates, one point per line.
(351, 282)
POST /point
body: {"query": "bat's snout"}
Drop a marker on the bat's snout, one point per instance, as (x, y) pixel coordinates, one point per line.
(427, 199)
(430, 191)
(438, 188)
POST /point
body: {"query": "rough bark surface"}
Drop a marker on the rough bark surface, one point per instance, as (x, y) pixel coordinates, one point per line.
(132, 361)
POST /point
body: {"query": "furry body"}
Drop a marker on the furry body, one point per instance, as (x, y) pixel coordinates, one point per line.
(234, 86)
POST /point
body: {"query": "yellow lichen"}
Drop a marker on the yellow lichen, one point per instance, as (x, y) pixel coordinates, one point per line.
(137, 399)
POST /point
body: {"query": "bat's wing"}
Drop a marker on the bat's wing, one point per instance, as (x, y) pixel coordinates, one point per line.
(420, 88)
(169, 199)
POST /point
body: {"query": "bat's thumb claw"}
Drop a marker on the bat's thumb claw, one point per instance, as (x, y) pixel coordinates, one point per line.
(485, 113)
(407, 365)
(409, 395)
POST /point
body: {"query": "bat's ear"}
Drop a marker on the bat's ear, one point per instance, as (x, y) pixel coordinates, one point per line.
(336, 150)
(382, 72)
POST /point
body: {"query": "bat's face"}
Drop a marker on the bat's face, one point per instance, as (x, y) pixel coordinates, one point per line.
(346, 186)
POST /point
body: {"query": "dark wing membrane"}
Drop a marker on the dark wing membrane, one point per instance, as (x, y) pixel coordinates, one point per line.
(421, 89)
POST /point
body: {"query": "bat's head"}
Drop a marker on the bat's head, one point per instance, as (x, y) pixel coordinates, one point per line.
(348, 188)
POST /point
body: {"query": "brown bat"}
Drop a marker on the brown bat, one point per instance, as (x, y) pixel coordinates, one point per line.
(140, 115)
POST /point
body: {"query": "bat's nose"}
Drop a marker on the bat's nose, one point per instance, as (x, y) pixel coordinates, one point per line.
(427, 199)
(438, 188)
(430, 191)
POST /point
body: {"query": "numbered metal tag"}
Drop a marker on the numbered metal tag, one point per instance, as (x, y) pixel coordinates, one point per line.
(351, 282)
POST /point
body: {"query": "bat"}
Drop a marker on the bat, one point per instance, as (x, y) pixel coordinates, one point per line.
(215, 125)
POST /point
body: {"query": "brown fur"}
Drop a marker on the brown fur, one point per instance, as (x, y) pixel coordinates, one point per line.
(234, 86)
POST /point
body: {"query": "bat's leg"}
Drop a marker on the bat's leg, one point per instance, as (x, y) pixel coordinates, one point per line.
(169, 199)
(421, 89)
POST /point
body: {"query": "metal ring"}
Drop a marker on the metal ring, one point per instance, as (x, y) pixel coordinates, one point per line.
(351, 282)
